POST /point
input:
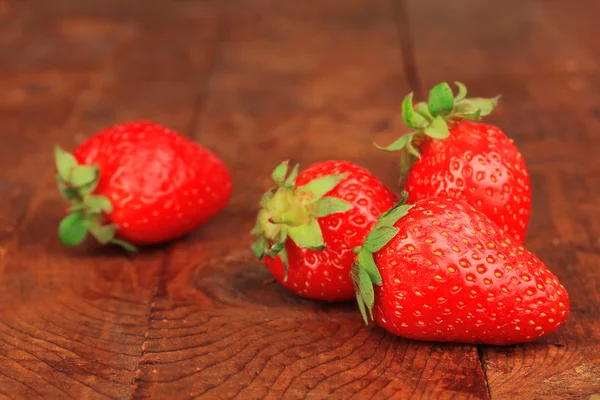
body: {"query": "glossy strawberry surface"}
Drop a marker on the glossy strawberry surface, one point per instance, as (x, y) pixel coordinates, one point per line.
(479, 164)
(161, 184)
(450, 274)
(325, 274)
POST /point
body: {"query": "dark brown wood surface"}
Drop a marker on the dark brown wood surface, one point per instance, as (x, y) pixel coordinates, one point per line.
(260, 81)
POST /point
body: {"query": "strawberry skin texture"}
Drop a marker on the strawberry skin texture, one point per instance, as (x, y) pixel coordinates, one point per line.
(325, 274)
(161, 184)
(477, 163)
(450, 274)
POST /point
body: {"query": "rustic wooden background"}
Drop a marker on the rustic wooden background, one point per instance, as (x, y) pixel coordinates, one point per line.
(259, 81)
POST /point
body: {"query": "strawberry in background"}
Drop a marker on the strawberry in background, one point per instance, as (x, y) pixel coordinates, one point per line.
(451, 153)
(139, 183)
(310, 222)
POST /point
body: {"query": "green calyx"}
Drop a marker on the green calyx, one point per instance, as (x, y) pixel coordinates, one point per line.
(76, 183)
(432, 119)
(364, 271)
(291, 212)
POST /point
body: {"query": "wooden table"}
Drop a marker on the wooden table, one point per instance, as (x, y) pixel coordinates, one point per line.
(259, 81)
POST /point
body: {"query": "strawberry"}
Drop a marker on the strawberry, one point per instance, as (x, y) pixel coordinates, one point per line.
(441, 270)
(139, 183)
(452, 154)
(309, 224)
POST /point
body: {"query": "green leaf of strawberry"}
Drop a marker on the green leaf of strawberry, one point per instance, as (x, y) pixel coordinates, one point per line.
(317, 188)
(104, 233)
(97, 204)
(441, 100)
(65, 162)
(438, 129)
(378, 238)
(73, 229)
(431, 120)
(307, 236)
(76, 183)
(330, 205)
(82, 175)
(462, 91)
(365, 273)
(290, 211)
(399, 144)
(410, 117)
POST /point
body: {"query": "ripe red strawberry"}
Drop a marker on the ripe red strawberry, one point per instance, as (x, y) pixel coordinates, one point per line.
(444, 271)
(464, 159)
(310, 223)
(140, 182)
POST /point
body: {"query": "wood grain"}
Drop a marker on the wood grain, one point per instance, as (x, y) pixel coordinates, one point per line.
(259, 81)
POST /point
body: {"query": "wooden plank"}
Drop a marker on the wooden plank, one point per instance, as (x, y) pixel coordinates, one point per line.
(549, 104)
(310, 81)
(470, 39)
(72, 322)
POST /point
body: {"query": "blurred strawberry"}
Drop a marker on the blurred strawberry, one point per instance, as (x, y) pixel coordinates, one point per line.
(139, 183)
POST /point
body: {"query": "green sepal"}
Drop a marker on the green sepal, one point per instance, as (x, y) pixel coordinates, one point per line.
(73, 229)
(83, 175)
(398, 144)
(291, 179)
(367, 261)
(422, 109)
(317, 188)
(76, 183)
(259, 246)
(432, 120)
(103, 233)
(462, 91)
(275, 249)
(330, 205)
(441, 100)
(280, 173)
(307, 236)
(365, 294)
(410, 117)
(97, 204)
(65, 162)
(379, 237)
(127, 246)
(364, 272)
(410, 148)
(438, 129)
(292, 212)
(361, 303)
(470, 106)
(406, 162)
(66, 192)
(468, 114)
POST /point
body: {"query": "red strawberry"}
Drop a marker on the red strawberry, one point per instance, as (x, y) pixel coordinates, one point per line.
(310, 223)
(443, 271)
(146, 182)
(464, 159)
